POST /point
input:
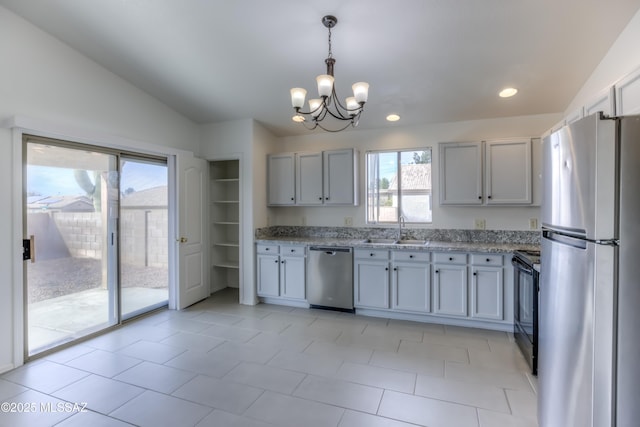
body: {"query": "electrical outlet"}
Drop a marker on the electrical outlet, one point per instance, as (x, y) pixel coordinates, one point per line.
(303, 220)
(533, 223)
(348, 221)
(479, 223)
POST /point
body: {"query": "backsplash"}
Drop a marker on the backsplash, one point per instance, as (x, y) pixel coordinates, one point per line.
(439, 235)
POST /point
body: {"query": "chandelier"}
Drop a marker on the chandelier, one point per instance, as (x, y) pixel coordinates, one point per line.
(328, 103)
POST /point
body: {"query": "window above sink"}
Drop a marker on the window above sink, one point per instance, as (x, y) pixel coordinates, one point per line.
(399, 184)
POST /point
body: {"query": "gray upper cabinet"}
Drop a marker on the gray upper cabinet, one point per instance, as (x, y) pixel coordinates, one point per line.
(460, 173)
(309, 179)
(628, 94)
(313, 179)
(486, 173)
(508, 172)
(339, 177)
(604, 102)
(281, 179)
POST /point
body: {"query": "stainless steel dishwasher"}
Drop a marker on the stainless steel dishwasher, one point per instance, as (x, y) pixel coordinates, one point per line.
(330, 278)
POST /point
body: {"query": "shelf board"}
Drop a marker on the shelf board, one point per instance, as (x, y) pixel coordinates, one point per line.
(227, 179)
(226, 264)
(230, 244)
(226, 201)
(226, 223)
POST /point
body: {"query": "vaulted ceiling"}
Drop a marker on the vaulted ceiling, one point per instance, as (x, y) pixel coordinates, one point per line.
(427, 60)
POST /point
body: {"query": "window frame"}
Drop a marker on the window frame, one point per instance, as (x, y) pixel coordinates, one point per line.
(368, 206)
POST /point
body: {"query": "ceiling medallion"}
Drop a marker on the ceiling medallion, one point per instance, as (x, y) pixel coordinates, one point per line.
(328, 104)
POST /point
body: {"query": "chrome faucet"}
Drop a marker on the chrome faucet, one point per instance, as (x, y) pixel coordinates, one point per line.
(400, 224)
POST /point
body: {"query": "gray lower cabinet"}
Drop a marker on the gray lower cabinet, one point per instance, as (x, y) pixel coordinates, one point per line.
(268, 275)
(450, 284)
(281, 271)
(411, 281)
(487, 287)
(371, 278)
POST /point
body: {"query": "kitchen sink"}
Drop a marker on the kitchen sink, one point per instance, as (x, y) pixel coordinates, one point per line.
(411, 242)
(380, 241)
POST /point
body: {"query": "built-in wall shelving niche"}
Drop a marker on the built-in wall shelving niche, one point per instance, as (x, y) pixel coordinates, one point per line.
(225, 224)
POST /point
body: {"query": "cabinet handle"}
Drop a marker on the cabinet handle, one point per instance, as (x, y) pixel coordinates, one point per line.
(410, 256)
(386, 269)
(266, 249)
(326, 198)
(475, 273)
(293, 250)
(479, 197)
(488, 197)
(319, 198)
(437, 271)
(450, 258)
(282, 262)
(292, 198)
(276, 261)
(395, 268)
(371, 254)
(488, 260)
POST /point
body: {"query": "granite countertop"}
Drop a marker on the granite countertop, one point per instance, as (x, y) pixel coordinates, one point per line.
(434, 246)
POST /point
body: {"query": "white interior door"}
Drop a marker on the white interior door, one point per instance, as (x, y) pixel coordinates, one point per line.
(192, 233)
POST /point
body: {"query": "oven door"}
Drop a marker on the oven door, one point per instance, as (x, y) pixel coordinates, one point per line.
(525, 310)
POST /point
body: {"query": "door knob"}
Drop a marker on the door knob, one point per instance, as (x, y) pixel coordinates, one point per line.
(182, 240)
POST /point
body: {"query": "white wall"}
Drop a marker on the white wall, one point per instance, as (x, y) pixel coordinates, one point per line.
(511, 218)
(622, 58)
(46, 82)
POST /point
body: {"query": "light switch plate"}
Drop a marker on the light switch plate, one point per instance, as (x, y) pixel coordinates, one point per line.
(533, 223)
(348, 221)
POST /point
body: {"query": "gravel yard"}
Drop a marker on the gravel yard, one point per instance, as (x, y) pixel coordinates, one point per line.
(64, 276)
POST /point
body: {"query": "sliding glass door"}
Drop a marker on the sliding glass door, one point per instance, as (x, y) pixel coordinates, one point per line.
(96, 221)
(144, 243)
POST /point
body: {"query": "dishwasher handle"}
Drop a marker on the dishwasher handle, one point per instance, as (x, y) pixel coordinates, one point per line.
(329, 251)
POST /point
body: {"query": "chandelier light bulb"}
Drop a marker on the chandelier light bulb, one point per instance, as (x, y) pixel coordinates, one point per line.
(361, 91)
(314, 107)
(325, 84)
(298, 118)
(297, 97)
(352, 105)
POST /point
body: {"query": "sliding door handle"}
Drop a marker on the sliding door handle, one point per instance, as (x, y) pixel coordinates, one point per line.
(29, 249)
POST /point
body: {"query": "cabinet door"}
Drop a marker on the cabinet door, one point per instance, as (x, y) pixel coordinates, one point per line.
(604, 102)
(508, 172)
(339, 177)
(411, 287)
(628, 94)
(371, 284)
(281, 179)
(268, 275)
(450, 289)
(460, 173)
(309, 179)
(487, 299)
(292, 277)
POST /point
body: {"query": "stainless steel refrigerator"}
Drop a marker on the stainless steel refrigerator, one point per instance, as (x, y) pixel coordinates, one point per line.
(589, 320)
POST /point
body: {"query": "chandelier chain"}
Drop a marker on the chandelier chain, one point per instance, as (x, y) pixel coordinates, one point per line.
(330, 53)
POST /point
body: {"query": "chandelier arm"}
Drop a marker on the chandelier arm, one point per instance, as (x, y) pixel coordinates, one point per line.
(335, 130)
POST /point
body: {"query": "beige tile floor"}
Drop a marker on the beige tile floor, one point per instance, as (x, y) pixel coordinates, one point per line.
(222, 364)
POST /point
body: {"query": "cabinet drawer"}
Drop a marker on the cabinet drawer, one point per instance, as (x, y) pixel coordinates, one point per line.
(410, 256)
(264, 248)
(487, 259)
(449, 258)
(371, 254)
(292, 250)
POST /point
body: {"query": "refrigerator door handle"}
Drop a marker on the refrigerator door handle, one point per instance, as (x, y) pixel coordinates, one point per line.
(563, 239)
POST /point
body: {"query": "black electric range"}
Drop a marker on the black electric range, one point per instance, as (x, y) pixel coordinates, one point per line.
(526, 277)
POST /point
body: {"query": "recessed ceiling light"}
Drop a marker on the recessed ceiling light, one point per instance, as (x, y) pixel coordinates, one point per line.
(393, 118)
(508, 92)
